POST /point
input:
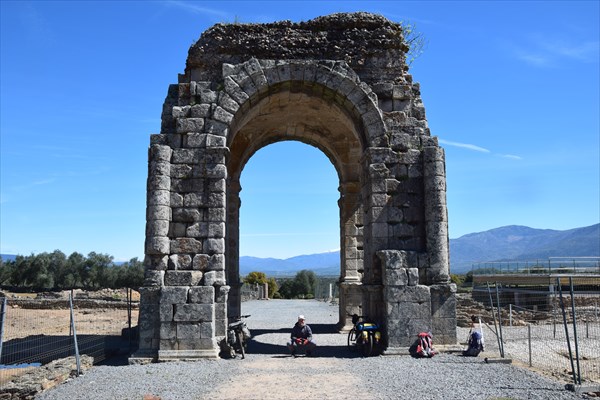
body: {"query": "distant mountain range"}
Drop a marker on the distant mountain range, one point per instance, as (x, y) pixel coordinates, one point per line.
(321, 263)
(501, 244)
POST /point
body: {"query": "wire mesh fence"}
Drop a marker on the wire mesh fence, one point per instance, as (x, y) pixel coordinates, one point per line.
(37, 331)
(551, 325)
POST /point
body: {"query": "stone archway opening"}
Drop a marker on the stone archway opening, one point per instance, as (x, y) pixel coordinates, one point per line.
(302, 116)
(290, 208)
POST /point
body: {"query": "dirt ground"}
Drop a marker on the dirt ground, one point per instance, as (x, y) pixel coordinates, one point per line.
(271, 379)
(38, 324)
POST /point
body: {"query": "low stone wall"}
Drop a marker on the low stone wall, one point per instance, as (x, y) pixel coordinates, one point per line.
(27, 386)
(52, 304)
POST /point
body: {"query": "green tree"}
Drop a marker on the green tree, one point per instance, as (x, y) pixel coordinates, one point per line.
(286, 290)
(95, 270)
(304, 283)
(130, 274)
(273, 288)
(255, 277)
(75, 267)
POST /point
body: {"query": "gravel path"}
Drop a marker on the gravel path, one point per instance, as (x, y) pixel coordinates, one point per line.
(268, 372)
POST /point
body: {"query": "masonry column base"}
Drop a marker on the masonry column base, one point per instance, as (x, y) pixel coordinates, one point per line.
(187, 355)
(142, 358)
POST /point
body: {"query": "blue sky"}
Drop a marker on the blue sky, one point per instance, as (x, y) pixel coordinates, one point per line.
(511, 89)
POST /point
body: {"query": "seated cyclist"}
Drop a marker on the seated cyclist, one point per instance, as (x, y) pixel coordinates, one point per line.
(301, 337)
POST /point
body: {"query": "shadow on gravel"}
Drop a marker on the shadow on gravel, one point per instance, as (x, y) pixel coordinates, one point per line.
(280, 350)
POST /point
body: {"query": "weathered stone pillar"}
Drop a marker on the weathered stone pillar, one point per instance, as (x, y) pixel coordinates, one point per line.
(408, 303)
(232, 246)
(436, 215)
(351, 254)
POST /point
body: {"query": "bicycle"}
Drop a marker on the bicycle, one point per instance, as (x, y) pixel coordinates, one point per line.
(364, 335)
(238, 335)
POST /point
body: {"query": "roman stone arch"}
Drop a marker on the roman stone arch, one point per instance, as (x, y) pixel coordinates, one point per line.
(339, 83)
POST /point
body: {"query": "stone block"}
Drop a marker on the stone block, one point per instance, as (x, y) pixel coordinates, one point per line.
(216, 214)
(200, 262)
(395, 277)
(413, 276)
(157, 245)
(180, 111)
(168, 344)
(221, 327)
(443, 301)
(186, 215)
(403, 332)
(185, 125)
(194, 312)
(216, 230)
(398, 310)
(168, 331)
(154, 278)
(217, 171)
(182, 278)
(186, 245)
(217, 185)
(201, 110)
(201, 295)
(216, 263)
(186, 156)
(444, 330)
(159, 198)
(176, 200)
(173, 295)
(156, 262)
(177, 229)
(214, 278)
(195, 199)
(213, 246)
(198, 230)
(188, 330)
(220, 311)
(150, 317)
(158, 168)
(216, 200)
(180, 262)
(160, 153)
(409, 294)
(166, 312)
(395, 259)
(149, 295)
(158, 212)
(222, 294)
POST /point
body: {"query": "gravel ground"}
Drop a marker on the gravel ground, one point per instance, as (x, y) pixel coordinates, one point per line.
(268, 372)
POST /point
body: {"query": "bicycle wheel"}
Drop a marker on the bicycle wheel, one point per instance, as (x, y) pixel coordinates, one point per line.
(240, 342)
(367, 345)
(352, 338)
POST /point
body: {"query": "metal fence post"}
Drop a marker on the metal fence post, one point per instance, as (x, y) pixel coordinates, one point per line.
(494, 317)
(564, 313)
(575, 329)
(129, 301)
(2, 326)
(529, 338)
(77, 358)
(510, 315)
(500, 321)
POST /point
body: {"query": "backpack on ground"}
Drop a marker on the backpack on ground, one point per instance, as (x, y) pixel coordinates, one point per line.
(475, 344)
(425, 345)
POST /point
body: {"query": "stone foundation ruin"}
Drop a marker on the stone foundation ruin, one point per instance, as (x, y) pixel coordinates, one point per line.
(339, 83)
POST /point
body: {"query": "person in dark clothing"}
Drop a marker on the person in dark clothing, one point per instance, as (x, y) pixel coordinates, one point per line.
(301, 337)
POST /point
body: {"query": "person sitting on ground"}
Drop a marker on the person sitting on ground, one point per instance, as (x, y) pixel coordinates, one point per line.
(301, 337)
